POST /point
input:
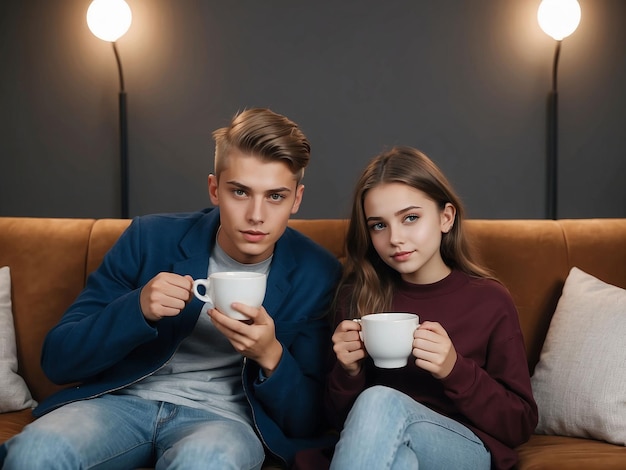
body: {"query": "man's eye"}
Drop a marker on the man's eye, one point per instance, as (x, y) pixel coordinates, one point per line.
(239, 192)
(276, 197)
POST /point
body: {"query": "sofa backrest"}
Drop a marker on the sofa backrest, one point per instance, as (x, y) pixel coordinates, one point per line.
(533, 258)
(47, 262)
(50, 260)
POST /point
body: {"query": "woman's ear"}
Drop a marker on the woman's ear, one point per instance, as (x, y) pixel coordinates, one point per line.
(448, 215)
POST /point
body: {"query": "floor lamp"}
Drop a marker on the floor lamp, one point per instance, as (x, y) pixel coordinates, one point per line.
(559, 19)
(109, 20)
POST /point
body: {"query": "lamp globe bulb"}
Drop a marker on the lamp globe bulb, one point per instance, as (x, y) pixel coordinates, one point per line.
(559, 18)
(109, 19)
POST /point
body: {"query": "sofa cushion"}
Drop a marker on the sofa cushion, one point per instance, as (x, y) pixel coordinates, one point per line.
(569, 453)
(14, 394)
(13, 422)
(580, 381)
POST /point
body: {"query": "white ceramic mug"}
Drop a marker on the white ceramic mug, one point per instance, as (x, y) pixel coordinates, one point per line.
(224, 288)
(388, 337)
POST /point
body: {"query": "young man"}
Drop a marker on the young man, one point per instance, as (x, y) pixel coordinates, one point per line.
(162, 378)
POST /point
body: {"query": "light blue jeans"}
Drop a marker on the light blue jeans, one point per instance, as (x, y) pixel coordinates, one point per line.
(125, 432)
(387, 429)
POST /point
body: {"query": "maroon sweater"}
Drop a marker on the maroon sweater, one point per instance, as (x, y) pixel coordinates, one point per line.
(489, 387)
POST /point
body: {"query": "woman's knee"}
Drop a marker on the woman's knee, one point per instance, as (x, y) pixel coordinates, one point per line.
(379, 406)
(380, 399)
(372, 396)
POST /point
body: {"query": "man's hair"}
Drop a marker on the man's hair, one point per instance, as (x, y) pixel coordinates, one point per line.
(266, 135)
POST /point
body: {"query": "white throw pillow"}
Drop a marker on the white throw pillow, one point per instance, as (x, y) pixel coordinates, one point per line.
(14, 394)
(580, 381)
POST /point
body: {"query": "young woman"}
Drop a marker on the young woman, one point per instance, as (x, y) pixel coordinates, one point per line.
(464, 401)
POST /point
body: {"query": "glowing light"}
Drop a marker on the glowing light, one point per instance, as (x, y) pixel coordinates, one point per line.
(559, 18)
(109, 19)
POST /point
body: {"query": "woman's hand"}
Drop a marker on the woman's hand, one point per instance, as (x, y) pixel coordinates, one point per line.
(348, 346)
(433, 349)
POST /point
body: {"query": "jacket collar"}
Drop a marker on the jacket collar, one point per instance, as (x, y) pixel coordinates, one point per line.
(197, 243)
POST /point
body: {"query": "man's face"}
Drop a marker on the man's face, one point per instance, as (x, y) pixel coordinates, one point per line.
(256, 200)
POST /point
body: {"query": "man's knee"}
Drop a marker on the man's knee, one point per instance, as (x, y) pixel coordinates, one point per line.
(226, 445)
(36, 448)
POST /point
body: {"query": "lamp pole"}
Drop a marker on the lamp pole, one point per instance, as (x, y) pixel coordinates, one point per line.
(123, 138)
(553, 135)
(109, 20)
(558, 19)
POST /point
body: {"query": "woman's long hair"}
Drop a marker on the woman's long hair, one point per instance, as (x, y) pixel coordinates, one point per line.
(368, 282)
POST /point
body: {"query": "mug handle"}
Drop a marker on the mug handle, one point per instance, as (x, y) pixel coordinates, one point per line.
(358, 320)
(202, 282)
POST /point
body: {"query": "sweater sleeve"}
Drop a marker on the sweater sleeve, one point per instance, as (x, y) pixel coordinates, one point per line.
(497, 398)
(341, 392)
(341, 389)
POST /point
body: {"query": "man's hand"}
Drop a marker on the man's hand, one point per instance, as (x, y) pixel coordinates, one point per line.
(348, 346)
(254, 338)
(165, 295)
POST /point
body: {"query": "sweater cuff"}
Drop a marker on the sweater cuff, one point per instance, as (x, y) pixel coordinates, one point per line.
(462, 377)
(346, 382)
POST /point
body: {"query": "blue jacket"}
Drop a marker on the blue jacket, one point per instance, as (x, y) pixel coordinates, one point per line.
(103, 343)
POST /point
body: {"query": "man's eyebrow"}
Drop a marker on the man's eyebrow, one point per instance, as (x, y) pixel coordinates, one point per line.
(282, 189)
(237, 184)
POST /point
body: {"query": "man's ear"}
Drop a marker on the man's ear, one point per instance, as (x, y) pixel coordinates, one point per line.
(213, 190)
(298, 199)
(448, 215)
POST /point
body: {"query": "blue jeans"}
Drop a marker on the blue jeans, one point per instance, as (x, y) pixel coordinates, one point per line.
(123, 432)
(387, 429)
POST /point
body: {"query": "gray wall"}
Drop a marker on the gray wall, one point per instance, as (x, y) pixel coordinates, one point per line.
(466, 81)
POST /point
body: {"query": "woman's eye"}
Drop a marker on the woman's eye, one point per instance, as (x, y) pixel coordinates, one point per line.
(377, 227)
(411, 218)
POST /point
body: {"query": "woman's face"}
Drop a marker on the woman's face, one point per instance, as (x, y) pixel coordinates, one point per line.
(406, 227)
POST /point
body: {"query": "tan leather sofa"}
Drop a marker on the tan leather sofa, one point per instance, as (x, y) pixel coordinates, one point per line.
(51, 258)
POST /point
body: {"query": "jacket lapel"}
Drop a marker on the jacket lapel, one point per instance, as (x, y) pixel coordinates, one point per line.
(196, 246)
(278, 281)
